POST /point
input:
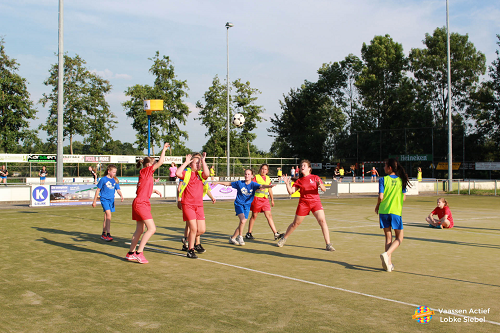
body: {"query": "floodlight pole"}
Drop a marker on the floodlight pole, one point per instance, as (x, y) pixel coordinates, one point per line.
(228, 25)
(60, 98)
(450, 159)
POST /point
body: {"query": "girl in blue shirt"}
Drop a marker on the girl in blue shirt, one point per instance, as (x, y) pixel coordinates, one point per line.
(107, 186)
(244, 197)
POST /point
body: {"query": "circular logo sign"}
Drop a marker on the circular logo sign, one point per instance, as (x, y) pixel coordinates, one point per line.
(40, 193)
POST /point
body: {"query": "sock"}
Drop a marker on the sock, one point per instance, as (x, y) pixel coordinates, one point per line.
(136, 252)
(131, 252)
(104, 233)
(109, 234)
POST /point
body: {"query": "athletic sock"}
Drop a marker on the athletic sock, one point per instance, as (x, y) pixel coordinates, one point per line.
(136, 252)
(131, 253)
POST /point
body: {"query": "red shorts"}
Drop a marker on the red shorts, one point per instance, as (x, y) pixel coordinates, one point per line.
(191, 212)
(260, 205)
(305, 207)
(141, 211)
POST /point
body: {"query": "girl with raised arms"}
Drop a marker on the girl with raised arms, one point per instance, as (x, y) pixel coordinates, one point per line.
(191, 194)
(141, 207)
(309, 201)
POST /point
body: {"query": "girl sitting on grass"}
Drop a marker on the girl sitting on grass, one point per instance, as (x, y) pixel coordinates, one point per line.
(443, 212)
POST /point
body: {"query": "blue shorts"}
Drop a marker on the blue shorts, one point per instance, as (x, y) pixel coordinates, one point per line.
(374, 176)
(3, 177)
(42, 178)
(245, 209)
(391, 221)
(108, 205)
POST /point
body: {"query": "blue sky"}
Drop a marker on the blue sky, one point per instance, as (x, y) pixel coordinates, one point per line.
(274, 44)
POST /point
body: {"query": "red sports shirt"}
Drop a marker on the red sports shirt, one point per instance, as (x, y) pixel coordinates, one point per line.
(145, 184)
(193, 193)
(308, 187)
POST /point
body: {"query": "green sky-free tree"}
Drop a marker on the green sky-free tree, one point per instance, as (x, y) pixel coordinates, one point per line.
(429, 67)
(164, 124)
(16, 108)
(213, 115)
(383, 72)
(86, 111)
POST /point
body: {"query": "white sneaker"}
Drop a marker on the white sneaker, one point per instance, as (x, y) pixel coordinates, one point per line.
(233, 241)
(281, 242)
(385, 261)
(240, 240)
(392, 267)
(329, 247)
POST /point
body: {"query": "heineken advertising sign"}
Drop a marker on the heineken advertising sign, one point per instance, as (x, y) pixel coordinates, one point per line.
(413, 158)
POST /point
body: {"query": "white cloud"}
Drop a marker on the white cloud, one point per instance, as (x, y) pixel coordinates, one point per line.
(108, 75)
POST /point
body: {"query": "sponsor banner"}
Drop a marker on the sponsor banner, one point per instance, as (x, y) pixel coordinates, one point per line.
(128, 180)
(413, 158)
(42, 158)
(13, 158)
(73, 159)
(469, 165)
(122, 159)
(95, 159)
(64, 195)
(444, 166)
(317, 165)
(167, 160)
(487, 165)
(221, 192)
(40, 196)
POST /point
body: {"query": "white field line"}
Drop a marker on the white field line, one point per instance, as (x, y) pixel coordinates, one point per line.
(313, 283)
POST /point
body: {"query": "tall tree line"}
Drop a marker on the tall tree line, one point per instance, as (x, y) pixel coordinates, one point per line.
(385, 103)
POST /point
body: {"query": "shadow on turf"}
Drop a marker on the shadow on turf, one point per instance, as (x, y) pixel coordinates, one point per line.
(78, 248)
(443, 241)
(83, 237)
(426, 225)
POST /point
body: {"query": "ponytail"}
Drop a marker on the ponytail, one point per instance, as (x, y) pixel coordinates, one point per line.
(444, 200)
(398, 169)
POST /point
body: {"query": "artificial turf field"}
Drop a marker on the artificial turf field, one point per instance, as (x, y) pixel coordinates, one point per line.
(59, 276)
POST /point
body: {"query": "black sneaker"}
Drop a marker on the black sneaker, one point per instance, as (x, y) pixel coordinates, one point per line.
(191, 254)
(249, 236)
(198, 248)
(184, 247)
(278, 236)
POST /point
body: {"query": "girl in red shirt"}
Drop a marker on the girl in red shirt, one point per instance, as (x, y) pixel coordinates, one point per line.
(192, 198)
(309, 201)
(141, 207)
(444, 220)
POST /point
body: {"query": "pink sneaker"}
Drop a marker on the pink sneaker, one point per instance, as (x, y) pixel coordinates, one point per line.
(104, 237)
(130, 257)
(140, 258)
